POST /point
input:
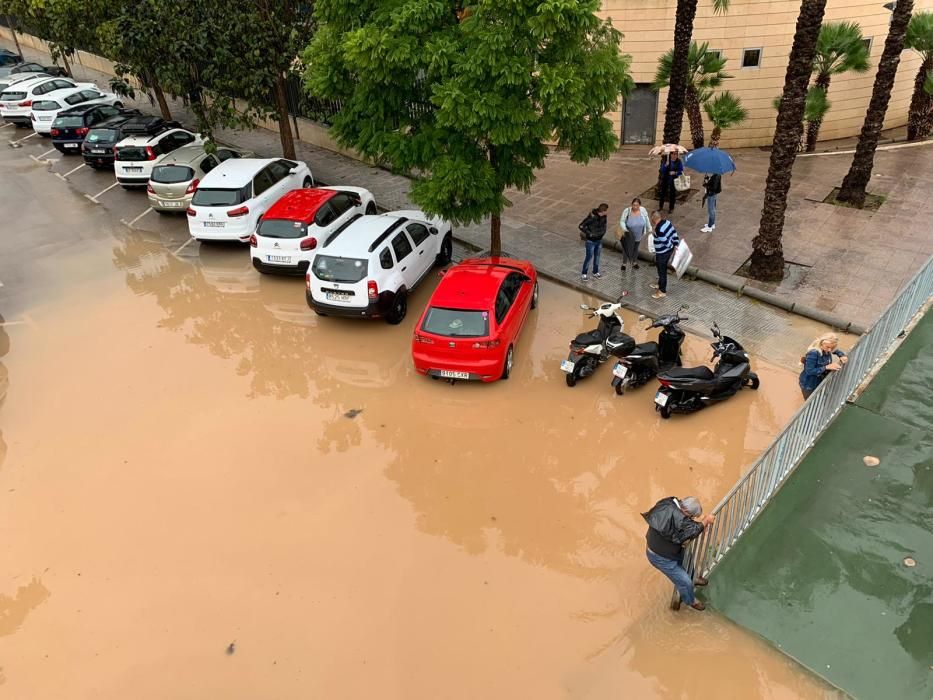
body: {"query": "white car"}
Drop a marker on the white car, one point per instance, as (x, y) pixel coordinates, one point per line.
(15, 78)
(16, 101)
(233, 196)
(290, 231)
(136, 155)
(368, 268)
(45, 110)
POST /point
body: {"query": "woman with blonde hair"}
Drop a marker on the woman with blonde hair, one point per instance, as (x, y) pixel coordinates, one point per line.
(823, 356)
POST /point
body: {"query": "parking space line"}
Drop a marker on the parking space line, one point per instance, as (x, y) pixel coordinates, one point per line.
(130, 223)
(19, 141)
(6, 125)
(183, 246)
(101, 193)
(51, 150)
(74, 170)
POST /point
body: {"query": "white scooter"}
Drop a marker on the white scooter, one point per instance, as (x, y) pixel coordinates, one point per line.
(589, 350)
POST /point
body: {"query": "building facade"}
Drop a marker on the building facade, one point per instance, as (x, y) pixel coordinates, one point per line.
(755, 36)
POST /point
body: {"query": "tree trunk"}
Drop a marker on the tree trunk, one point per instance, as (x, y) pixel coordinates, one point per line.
(12, 23)
(67, 66)
(160, 97)
(495, 221)
(714, 137)
(677, 91)
(856, 181)
(767, 261)
(281, 108)
(695, 117)
(920, 105)
(813, 127)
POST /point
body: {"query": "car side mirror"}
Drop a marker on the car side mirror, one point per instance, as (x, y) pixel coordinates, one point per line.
(433, 231)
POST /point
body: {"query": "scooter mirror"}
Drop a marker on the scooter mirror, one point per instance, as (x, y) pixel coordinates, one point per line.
(584, 307)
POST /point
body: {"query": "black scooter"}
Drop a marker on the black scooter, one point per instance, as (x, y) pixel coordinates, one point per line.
(645, 360)
(688, 389)
(589, 350)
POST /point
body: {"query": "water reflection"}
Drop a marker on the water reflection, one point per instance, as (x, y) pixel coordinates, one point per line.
(14, 609)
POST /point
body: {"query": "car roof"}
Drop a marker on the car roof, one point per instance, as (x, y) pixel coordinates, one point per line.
(183, 155)
(364, 232)
(235, 172)
(115, 121)
(145, 139)
(474, 283)
(299, 205)
(30, 82)
(78, 109)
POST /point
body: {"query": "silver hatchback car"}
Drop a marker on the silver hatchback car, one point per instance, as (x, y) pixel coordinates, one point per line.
(173, 181)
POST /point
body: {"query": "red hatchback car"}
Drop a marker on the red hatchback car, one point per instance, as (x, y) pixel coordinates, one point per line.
(473, 320)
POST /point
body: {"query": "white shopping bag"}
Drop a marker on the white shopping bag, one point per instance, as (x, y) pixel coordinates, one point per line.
(682, 258)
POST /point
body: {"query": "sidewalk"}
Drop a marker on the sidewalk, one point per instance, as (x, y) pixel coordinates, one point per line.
(536, 228)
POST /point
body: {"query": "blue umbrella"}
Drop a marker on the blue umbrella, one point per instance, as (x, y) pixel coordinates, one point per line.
(710, 160)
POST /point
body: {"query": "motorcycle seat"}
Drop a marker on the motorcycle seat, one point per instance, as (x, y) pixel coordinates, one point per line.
(620, 340)
(591, 338)
(645, 349)
(701, 372)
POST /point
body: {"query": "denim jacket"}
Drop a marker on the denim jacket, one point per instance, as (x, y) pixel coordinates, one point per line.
(814, 367)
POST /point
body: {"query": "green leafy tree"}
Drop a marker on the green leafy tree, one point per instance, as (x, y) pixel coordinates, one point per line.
(705, 73)
(724, 111)
(839, 49)
(68, 25)
(468, 98)
(920, 39)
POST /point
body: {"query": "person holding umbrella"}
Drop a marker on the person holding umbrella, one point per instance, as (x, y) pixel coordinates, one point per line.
(712, 186)
(714, 163)
(671, 169)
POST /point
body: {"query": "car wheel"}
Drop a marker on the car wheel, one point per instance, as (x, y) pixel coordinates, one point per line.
(118, 105)
(399, 308)
(319, 313)
(447, 251)
(127, 187)
(534, 297)
(162, 212)
(665, 412)
(307, 184)
(507, 365)
(371, 208)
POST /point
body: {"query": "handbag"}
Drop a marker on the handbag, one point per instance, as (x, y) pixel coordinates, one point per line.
(682, 257)
(682, 183)
(651, 243)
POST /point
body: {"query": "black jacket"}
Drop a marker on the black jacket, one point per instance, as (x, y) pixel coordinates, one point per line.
(669, 528)
(593, 227)
(713, 184)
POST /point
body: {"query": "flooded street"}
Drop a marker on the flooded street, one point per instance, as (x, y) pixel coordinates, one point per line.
(207, 491)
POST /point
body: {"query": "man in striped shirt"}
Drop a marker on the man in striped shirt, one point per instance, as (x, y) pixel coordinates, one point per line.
(666, 241)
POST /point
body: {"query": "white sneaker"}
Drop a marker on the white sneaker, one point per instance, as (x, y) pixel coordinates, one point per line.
(706, 229)
(584, 278)
(713, 227)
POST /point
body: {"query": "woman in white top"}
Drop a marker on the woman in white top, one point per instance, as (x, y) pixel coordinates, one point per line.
(635, 224)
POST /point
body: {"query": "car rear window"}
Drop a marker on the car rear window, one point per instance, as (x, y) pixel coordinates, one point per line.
(456, 323)
(69, 121)
(45, 106)
(10, 96)
(329, 268)
(220, 197)
(172, 174)
(101, 135)
(131, 153)
(282, 228)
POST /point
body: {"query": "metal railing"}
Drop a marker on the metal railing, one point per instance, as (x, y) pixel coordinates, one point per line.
(739, 508)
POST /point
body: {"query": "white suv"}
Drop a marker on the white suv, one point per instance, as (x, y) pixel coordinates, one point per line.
(136, 156)
(233, 196)
(368, 268)
(16, 101)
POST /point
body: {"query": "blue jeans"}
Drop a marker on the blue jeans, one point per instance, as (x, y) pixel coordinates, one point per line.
(593, 249)
(674, 570)
(711, 208)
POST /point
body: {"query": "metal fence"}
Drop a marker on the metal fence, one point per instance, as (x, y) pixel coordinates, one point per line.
(751, 494)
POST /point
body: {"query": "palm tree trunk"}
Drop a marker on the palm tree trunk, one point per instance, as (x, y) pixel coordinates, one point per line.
(918, 120)
(813, 127)
(767, 261)
(714, 137)
(695, 117)
(856, 181)
(281, 109)
(677, 91)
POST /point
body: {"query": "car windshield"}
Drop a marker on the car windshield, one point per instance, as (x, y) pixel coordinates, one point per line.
(456, 323)
(329, 268)
(97, 135)
(282, 228)
(220, 197)
(10, 96)
(70, 121)
(172, 174)
(45, 106)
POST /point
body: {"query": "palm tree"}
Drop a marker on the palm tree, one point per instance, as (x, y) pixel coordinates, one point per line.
(920, 39)
(767, 261)
(724, 111)
(839, 49)
(704, 74)
(815, 107)
(855, 182)
(677, 95)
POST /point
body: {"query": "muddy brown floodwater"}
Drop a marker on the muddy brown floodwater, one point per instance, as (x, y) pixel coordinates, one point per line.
(181, 472)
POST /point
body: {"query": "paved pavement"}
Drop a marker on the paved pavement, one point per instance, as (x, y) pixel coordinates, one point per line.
(541, 227)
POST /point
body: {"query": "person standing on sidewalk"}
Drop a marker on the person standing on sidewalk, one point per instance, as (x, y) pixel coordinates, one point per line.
(670, 171)
(712, 184)
(592, 230)
(666, 241)
(671, 524)
(823, 356)
(635, 223)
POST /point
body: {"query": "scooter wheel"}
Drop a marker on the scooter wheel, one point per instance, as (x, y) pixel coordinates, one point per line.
(620, 390)
(571, 379)
(754, 383)
(665, 412)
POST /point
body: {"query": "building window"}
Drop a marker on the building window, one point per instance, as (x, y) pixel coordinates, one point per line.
(751, 58)
(867, 42)
(715, 52)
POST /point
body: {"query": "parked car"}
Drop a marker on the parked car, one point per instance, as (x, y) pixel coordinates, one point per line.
(98, 148)
(16, 101)
(9, 80)
(136, 155)
(232, 197)
(289, 233)
(71, 126)
(33, 67)
(472, 323)
(45, 111)
(175, 179)
(368, 268)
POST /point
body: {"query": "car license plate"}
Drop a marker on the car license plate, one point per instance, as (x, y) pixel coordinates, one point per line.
(132, 169)
(45, 119)
(98, 151)
(620, 370)
(661, 398)
(170, 205)
(279, 258)
(71, 145)
(337, 296)
(451, 374)
(214, 224)
(567, 366)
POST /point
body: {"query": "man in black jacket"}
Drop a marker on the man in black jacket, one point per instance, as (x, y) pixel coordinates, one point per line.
(592, 230)
(671, 524)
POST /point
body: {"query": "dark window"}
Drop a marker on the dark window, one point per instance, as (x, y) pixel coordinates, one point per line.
(62, 84)
(71, 120)
(106, 112)
(714, 52)
(751, 58)
(102, 135)
(278, 169)
(172, 174)
(341, 203)
(325, 215)
(208, 164)
(183, 138)
(418, 233)
(866, 42)
(220, 197)
(88, 95)
(329, 268)
(45, 106)
(74, 99)
(226, 154)
(456, 323)
(385, 259)
(502, 305)
(401, 246)
(262, 182)
(282, 228)
(11, 96)
(42, 89)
